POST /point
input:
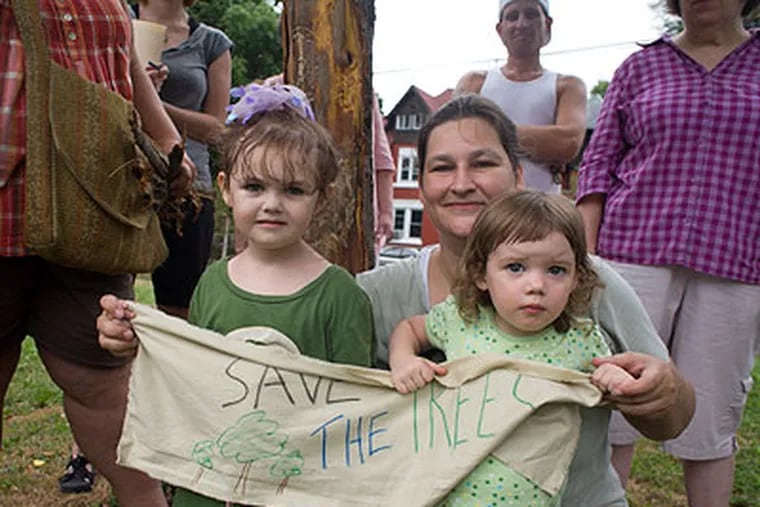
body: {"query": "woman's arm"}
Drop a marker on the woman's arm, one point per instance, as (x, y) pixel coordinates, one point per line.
(385, 173)
(156, 122)
(205, 126)
(384, 192)
(591, 208)
(660, 402)
(603, 154)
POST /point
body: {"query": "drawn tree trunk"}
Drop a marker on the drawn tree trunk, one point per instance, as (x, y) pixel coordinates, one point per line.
(327, 47)
(243, 477)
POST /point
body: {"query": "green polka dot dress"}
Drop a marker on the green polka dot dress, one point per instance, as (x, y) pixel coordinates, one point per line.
(492, 483)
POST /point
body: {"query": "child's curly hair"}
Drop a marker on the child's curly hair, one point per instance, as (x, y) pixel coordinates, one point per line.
(521, 216)
(284, 135)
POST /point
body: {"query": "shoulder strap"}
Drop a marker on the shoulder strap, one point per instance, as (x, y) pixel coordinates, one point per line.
(36, 53)
(37, 83)
(39, 151)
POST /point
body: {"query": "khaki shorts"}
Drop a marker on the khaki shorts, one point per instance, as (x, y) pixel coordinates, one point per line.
(58, 307)
(711, 327)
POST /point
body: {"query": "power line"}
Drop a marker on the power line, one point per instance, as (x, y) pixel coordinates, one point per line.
(591, 48)
(500, 58)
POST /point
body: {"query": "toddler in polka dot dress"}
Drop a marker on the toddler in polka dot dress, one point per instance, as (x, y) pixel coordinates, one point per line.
(523, 289)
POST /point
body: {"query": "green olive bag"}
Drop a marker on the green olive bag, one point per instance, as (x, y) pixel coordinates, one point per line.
(91, 189)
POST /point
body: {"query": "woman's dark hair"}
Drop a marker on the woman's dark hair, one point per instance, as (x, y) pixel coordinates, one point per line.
(472, 106)
(673, 7)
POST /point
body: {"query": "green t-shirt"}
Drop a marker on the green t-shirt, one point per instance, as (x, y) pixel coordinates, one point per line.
(328, 319)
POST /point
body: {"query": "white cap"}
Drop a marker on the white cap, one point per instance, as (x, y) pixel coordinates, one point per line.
(543, 3)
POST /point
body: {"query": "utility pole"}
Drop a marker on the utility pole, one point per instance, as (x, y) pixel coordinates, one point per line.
(327, 46)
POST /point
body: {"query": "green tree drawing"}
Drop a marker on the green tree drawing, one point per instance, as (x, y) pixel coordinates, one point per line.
(252, 438)
(203, 454)
(285, 467)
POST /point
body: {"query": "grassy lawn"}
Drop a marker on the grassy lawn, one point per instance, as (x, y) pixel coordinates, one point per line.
(37, 441)
(36, 437)
(656, 477)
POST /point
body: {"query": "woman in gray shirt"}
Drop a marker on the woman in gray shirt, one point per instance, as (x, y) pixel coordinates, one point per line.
(468, 157)
(195, 93)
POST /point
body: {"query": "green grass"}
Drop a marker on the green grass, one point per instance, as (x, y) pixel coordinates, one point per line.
(144, 290)
(656, 476)
(747, 481)
(37, 441)
(36, 436)
(31, 388)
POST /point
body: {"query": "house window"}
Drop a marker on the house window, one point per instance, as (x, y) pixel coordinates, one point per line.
(408, 166)
(409, 121)
(398, 222)
(407, 223)
(415, 224)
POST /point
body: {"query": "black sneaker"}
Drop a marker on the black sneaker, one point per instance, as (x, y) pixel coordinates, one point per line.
(79, 476)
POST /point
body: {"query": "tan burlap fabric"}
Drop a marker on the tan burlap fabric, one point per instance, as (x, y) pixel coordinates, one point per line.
(235, 419)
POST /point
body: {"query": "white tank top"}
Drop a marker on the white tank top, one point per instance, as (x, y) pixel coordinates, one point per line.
(527, 103)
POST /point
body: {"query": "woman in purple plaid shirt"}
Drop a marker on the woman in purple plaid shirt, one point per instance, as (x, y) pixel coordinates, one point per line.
(670, 191)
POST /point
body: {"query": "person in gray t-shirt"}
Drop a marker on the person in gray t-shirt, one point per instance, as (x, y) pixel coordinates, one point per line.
(467, 151)
(195, 93)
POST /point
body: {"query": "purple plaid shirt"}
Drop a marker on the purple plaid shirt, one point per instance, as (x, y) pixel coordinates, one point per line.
(676, 150)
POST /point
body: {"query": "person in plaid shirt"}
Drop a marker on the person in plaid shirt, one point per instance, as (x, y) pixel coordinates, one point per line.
(56, 305)
(670, 191)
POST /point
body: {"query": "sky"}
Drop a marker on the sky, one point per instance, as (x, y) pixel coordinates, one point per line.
(432, 43)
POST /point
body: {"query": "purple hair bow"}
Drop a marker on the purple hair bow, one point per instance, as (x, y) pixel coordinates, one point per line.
(255, 98)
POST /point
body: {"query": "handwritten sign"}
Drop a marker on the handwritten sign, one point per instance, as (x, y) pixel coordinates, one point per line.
(236, 420)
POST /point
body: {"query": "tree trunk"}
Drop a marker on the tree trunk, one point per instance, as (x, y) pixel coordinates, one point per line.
(327, 46)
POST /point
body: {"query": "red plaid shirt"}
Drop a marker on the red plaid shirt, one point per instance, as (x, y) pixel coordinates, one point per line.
(92, 37)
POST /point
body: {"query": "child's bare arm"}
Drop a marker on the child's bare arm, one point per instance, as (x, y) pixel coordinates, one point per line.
(611, 378)
(410, 372)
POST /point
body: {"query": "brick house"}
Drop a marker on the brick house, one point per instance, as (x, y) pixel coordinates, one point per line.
(411, 226)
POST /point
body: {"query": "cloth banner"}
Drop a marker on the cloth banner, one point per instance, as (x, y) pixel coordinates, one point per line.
(246, 418)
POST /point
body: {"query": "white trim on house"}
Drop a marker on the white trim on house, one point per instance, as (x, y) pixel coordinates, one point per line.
(408, 167)
(411, 121)
(407, 221)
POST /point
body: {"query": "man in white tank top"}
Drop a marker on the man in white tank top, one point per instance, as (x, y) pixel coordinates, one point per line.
(549, 109)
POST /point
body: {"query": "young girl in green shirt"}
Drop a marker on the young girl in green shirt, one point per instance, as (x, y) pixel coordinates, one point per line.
(280, 164)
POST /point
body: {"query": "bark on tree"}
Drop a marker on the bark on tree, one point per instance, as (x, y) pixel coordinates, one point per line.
(327, 47)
